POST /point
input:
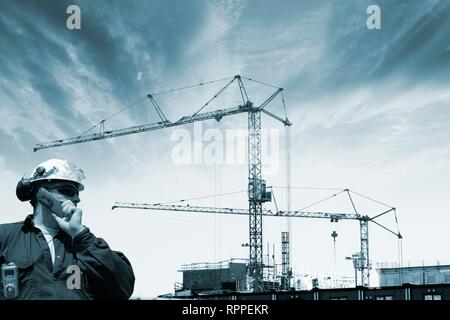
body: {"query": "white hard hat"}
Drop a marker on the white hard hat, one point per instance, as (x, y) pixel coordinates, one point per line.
(56, 169)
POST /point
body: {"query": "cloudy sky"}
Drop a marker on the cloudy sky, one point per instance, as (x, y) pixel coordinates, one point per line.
(370, 112)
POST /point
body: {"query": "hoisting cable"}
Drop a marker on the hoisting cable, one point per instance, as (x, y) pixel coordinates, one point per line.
(266, 84)
(396, 222)
(203, 197)
(308, 188)
(399, 241)
(400, 251)
(320, 201)
(191, 86)
(370, 199)
(215, 96)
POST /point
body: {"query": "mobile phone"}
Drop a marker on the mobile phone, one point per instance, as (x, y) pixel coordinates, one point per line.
(50, 201)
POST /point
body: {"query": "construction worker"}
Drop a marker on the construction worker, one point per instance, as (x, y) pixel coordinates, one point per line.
(52, 255)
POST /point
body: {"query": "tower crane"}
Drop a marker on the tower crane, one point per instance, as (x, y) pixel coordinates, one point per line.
(257, 193)
(364, 262)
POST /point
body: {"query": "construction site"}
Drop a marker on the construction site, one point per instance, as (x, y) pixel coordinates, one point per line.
(260, 275)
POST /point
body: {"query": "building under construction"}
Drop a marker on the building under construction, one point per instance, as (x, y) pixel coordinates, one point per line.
(227, 280)
(213, 277)
(419, 275)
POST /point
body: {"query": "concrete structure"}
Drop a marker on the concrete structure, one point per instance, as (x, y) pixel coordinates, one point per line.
(230, 275)
(414, 275)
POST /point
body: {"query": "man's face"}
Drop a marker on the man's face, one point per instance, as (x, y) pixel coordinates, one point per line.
(63, 190)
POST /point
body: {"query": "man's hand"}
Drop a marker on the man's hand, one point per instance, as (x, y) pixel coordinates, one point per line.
(71, 223)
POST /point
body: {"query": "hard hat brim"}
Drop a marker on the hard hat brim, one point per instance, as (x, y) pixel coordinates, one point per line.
(80, 186)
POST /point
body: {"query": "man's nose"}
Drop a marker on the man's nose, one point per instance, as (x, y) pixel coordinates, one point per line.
(76, 199)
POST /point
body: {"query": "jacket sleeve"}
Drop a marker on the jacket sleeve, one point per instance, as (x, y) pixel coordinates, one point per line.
(109, 273)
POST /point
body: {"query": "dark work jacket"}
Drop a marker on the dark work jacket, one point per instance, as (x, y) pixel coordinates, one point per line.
(105, 274)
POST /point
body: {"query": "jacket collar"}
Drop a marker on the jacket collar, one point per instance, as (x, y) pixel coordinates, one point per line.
(28, 224)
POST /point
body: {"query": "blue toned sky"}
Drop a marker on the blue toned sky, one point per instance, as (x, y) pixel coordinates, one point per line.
(370, 112)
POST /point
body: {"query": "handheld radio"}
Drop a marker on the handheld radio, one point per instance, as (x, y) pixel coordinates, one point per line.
(10, 280)
(50, 201)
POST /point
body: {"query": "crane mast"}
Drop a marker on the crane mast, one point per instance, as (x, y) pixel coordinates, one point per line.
(256, 197)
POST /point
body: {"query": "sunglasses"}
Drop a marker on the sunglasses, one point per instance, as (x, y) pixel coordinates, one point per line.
(66, 190)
